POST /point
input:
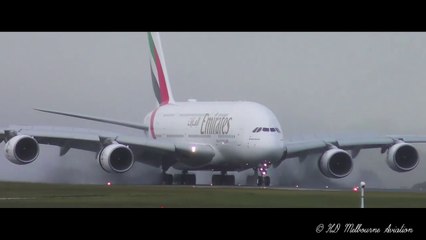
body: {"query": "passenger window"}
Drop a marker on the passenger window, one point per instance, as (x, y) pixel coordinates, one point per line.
(266, 129)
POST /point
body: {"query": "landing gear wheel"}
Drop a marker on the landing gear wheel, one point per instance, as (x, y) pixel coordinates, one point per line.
(267, 181)
(264, 181)
(251, 180)
(190, 179)
(223, 180)
(228, 180)
(259, 181)
(178, 179)
(184, 179)
(216, 180)
(167, 179)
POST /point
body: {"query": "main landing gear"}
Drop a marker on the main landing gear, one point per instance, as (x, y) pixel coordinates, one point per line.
(167, 179)
(223, 179)
(184, 179)
(260, 176)
(179, 179)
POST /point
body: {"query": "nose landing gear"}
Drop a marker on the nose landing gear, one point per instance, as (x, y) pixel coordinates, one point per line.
(260, 176)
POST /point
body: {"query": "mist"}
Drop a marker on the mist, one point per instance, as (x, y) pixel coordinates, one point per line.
(318, 84)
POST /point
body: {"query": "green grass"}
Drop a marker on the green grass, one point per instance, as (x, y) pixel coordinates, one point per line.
(49, 195)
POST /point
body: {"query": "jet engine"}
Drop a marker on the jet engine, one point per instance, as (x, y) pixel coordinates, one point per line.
(116, 158)
(21, 149)
(402, 157)
(335, 163)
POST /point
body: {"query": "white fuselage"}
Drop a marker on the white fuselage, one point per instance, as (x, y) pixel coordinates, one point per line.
(228, 127)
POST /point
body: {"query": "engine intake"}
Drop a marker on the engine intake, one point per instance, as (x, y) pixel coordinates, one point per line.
(402, 157)
(116, 158)
(336, 163)
(21, 149)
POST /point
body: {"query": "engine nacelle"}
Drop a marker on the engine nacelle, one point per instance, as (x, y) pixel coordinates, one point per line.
(402, 157)
(116, 158)
(335, 163)
(21, 149)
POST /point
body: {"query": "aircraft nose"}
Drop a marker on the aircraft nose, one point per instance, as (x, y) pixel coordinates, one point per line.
(270, 149)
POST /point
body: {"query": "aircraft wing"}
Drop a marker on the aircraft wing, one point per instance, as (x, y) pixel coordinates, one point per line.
(302, 148)
(152, 152)
(96, 119)
(85, 139)
(337, 154)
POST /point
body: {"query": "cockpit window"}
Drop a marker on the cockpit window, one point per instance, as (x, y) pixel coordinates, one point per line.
(265, 129)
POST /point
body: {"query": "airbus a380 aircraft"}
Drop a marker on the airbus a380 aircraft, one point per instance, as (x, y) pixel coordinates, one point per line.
(213, 136)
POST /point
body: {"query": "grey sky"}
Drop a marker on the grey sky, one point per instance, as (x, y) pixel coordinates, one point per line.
(318, 84)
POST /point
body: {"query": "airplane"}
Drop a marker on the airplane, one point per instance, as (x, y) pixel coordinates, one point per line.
(202, 136)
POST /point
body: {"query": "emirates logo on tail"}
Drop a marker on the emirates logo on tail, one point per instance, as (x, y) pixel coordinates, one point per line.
(159, 75)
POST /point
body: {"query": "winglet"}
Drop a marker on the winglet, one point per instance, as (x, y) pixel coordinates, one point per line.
(160, 78)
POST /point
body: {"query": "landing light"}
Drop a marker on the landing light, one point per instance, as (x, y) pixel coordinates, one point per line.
(108, 183)
(355, 189)
(193, 149)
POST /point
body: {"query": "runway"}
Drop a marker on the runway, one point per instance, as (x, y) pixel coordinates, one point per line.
(306, 189)
(142, 196)
(14, 198)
